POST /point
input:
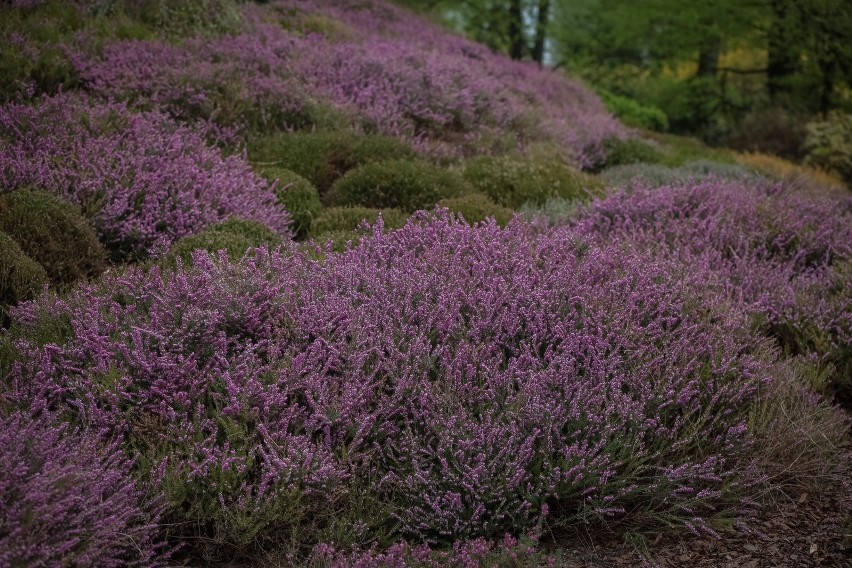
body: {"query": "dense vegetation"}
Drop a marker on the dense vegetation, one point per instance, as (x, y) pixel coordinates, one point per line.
(325, 284)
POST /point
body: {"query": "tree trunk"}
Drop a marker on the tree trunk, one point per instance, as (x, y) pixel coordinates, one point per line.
(708, 57)
(783, 59)
(516, 30)
(541, 31)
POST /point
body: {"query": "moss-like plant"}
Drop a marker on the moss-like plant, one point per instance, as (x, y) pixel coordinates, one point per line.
(53, 233)
(298, 196)
(21, 278)
(477, 207)
(323, 157)
(405, 184)
(512, 181)
(234, 236)
(350, 218)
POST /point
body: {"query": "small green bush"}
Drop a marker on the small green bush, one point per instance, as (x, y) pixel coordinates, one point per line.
(404, 184)
(829, 145)
(21, 278)
(629, 151)
(53, 233)
(178, 19)
(348, 219)
(297, 195)
(234, 236)
(656, 175)
(512, 181)
(555, 211)
(323, 157)
(634, 113)
(339, 240)
(477, 207)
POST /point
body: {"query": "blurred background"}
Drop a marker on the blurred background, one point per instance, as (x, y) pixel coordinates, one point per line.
(767, 76)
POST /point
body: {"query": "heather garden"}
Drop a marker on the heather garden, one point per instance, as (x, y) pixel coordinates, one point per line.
(325, 284)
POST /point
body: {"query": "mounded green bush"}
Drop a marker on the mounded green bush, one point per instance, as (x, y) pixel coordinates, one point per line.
(634, 113)
(339, 239)
(21, 278)
(829, 145)
(298, 196)
(477, 207)
(323, 157)
(629, 151)
(53, 233)
(335, 219)
(656, 175)
(404, 184)
(512, 181)
(234, 236)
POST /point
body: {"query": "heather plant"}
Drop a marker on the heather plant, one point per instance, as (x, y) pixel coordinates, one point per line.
(628, 151)
(778, 168)
(403, 184)
(54, 234)
(234, 236)
(21, 278)
(297, 195)
(512, 181)
(324, 157)
(471, 379)
(351, 218)
(828, 145)
(178, 19)
(141, 179)
(67, 499)
(476, 207)
(656, 175)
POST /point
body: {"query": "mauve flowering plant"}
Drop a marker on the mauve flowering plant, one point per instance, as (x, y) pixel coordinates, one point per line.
(478, 376)
(142, 179)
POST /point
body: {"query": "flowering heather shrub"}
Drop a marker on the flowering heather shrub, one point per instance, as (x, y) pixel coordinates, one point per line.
(67, 499)
(513, 181)
(351, 218)
(656, 175)
(21, 278)
(297, 195)
(418, 83)
(54, 234)
(467, 378)
(781, 256)
(402, 184)
(323, 157)
(140, 178)
(477, 207)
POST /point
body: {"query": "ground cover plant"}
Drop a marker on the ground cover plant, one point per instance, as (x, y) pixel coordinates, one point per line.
(315, 283)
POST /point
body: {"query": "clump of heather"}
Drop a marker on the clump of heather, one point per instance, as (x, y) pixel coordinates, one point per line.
(67, 499)
(142, 179)
(441, 382)
(781, 256)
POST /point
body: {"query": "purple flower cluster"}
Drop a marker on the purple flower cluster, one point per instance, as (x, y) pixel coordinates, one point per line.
(142, 179)
(475, 375)
(66, 499)
(416, 82)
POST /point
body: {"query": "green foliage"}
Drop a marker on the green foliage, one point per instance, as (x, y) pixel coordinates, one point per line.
(634, 113)
(54, 234)
(178, 19)
(234, 236)
(629, 151)
(338, 241)
(477, 207)
(323, 157)
(554, 211)
(404, 184)
(829, 145)
(21, 278)
(512, 181)
(298, 196)
(678, 150)
(346, 219)
(656, 175)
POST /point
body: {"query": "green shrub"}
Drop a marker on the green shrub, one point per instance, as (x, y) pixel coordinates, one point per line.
(404, 184)
(656, 175)
(178, 19)
(339, 240)
(634, 113)
(512, 181)
(21, 278)
(347, 219)
(629, 151)
(323, 157)
(829, 145)
(555, 211)
(477, 207)
(677, 150)
(54, 234)
(234, 236)
(297, 195)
